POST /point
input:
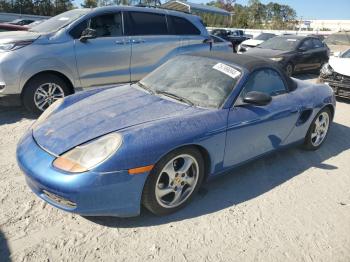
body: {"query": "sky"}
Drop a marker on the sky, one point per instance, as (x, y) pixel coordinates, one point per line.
(307, 9)
(310, 9)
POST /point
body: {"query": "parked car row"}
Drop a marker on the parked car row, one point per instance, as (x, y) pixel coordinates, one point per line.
(187, 106)
(294, 53)
(235, 36)
(251, 43)
(19, 25)
(85, 48)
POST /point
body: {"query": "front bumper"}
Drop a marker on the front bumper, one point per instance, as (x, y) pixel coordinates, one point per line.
(340, 86)
(89, 194)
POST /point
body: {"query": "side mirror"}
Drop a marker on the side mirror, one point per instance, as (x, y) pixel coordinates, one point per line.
(337, 54)
(302, 49)
(257, 98)
(87, 34)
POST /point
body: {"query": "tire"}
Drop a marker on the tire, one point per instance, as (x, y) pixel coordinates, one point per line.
(159, 182)
(33, 95)
(289, 69)
(310, 139)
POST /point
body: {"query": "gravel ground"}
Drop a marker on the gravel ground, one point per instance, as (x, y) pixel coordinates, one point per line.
(291, 206)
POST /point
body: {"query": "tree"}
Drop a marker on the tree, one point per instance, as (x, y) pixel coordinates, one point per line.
(257, 13)
(89, 4)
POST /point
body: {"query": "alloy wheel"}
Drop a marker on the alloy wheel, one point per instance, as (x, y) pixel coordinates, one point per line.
(46, 94)
(320, 130)
(177, 181)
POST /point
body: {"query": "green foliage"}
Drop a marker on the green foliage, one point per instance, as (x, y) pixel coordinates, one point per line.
(36, 7)
(89, 4)
(254, 15)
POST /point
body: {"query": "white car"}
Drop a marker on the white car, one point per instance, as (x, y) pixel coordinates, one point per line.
(251, 43)
(336, 73)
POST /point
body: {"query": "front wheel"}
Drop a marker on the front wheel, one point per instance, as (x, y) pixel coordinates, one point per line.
(318, 130)
(174, 181)
(43, 90)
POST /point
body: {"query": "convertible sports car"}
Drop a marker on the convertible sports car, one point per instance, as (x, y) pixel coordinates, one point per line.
(153, 143)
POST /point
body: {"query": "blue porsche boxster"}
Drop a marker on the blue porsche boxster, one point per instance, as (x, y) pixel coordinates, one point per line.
(153, 143)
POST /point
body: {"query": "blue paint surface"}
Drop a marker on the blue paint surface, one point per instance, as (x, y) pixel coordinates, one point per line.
(151, 127)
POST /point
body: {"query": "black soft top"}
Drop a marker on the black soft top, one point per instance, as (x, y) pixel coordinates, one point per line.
(249, 63)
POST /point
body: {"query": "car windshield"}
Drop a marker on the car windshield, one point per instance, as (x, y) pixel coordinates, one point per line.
(280, 43)
(264, 37)
(15, 22)
(338, 39)
(195, 80)
(346, 54)
(59, 21)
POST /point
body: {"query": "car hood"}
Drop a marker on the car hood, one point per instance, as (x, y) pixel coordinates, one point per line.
(104, 112)
(338, 48)
(340, 65)
(267, 53)
(13, 36)
(252, 42)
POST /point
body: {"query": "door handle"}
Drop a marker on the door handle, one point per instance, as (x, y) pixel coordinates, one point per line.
(295, 110)
(137, 41)
(120, 42)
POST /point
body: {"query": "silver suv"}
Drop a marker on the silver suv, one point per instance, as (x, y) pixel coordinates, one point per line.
(86, 48)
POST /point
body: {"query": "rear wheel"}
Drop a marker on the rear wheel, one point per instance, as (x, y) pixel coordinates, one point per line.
(174, 181)
(289, 69)
(318, 130)
(43, 90)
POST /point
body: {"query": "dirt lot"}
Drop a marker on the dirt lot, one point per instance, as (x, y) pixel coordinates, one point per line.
(290, 206)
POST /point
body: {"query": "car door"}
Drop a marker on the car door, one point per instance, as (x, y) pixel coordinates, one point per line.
(151, 42)
(254, 130)
(321, 53)
(306, 55)
(104, 60)
(190, 36)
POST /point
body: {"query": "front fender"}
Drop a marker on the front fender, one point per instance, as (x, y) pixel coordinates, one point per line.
(31, 68)
(147, 144)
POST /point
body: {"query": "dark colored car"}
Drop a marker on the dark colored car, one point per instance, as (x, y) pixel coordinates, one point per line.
(236, 37)
(294, 53)
(21, 21)
(4, 27)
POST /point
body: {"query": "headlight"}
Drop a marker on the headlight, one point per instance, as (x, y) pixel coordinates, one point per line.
(327, 70)
(47, 113)
(14, 45)
(87, 156)
(277, 59)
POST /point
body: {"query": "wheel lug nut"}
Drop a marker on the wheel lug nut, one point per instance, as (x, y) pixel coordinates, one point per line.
(176, 174)
(176, 188)
(172, 183)
(182, 183)
(183, 175)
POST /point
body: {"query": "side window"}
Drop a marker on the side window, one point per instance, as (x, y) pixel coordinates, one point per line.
(216, 39)
(78, 29)
(142, 23)
(265, 80)
(317, 43)
(108, 25)
(307, 44)
(181, 26)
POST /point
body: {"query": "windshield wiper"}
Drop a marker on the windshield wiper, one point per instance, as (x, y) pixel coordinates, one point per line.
(149, 90)
(177, 97)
